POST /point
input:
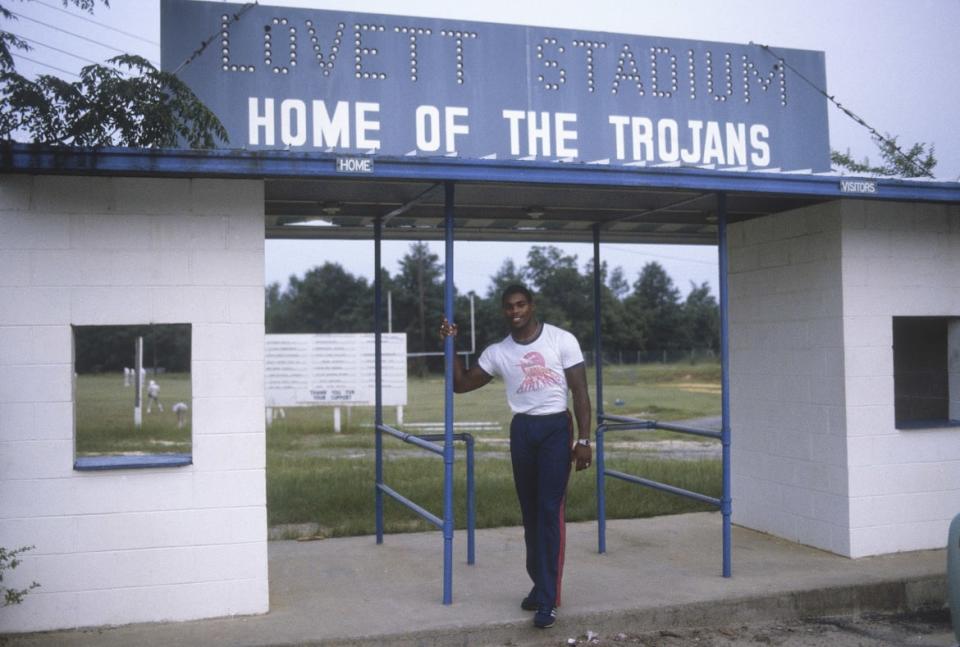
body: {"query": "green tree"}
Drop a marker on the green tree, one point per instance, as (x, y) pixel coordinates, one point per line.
(564, 295)
(655, 305)
(274, 307)
(127, 102)
(618, 331)
(99, 349)
(564, 298)
(701, 319)
(327, 299)
(418, 301)
(508, 274)
(489, 314)
(917, 161)
(618, 283)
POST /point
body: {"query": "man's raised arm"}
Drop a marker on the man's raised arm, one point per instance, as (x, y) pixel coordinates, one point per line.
(464, 380)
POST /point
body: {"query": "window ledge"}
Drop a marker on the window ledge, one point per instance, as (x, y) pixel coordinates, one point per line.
(912, 425)
(94, 463)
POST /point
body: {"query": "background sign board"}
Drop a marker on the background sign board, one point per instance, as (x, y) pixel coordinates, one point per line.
(333, 370)
(353, 83)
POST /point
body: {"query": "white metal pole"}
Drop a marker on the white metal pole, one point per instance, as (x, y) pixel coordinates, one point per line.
(473, 326)
(138, 384)
(390, 311)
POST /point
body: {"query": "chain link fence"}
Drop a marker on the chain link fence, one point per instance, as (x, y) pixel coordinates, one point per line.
(666, 356)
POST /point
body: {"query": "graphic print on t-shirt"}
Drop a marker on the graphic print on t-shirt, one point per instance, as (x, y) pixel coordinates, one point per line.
(536, 375)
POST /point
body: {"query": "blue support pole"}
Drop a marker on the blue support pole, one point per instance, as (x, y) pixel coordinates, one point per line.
(598, 366)
(378, 376)
(471, 505)
(725, 497)
(449, 357)
(597, 336)
(601, 467)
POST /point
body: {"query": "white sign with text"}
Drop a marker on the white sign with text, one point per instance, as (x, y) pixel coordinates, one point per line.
(333, 370)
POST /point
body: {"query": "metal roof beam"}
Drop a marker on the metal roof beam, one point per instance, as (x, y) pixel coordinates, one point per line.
(650, 212)
(411, 204)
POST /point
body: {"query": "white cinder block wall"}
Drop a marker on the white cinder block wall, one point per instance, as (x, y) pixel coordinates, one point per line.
(123, 546)
(898, 260)
(789, 455)
(816, 455)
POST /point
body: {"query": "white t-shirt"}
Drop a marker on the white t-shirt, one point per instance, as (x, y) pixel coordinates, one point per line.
(533, 372)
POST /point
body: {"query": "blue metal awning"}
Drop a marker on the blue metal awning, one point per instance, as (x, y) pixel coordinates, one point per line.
(307, 197)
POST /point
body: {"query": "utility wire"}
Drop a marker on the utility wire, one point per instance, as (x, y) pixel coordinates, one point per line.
(96, 22)
(89, 40)
(857, 118)
(53, 67)
(56, 49)
(203, 45)
(665, 256)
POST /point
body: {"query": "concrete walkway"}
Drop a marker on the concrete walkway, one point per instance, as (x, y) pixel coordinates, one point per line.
(657, 573)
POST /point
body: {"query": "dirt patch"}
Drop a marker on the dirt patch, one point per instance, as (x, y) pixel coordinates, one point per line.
(926, 628)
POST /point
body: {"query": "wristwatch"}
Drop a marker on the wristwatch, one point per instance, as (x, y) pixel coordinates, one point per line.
(583, 442)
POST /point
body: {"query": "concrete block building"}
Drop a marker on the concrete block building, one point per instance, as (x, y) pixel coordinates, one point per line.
(838, 307)
(842, 295)
(116, 546)
(844, 324)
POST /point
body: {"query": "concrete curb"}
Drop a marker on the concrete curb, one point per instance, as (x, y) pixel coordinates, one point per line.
(658, 574)
(901, 595)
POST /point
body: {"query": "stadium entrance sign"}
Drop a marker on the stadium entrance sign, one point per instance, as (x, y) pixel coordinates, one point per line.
(368, 84)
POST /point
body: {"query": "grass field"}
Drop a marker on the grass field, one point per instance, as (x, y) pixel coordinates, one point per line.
(104, 413)
(325, 479)
(315, 476)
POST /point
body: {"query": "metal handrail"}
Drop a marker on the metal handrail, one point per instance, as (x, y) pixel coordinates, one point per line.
(399, 498)
(663, 487)
(425, 441)
(625, 423)
(612, 423)
(666, 426)
(413, 439)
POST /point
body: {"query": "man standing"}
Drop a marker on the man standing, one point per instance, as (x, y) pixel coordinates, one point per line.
(538, 362)
(153, 396)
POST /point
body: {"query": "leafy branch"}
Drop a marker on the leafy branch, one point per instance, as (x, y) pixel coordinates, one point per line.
(127, 102)
(106, 107)
(917, 161)
(9, 561)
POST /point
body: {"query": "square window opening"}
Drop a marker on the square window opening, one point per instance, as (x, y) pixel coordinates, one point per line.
(132, 396)
(926, 372)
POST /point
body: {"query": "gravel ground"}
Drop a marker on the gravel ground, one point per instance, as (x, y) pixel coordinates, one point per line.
(920, 629)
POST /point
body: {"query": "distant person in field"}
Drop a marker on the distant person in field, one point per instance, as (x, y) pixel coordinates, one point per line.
(538, 363)
(153, 396)
(180, 408)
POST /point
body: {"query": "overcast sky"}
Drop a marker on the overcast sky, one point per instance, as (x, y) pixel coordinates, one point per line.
(893, 62)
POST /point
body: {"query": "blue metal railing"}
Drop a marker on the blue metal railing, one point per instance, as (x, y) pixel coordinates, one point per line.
(425, 441)
(624, 423)
(446, 450)
(607, 423)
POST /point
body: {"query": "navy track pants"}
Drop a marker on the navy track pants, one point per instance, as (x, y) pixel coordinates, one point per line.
(540, 449)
